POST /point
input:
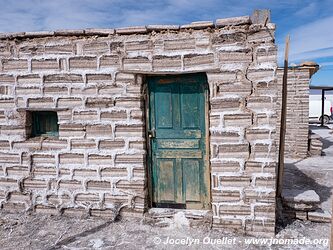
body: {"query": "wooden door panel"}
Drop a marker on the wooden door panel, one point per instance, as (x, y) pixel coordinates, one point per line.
(191, 170)
(190, 108)
(163, 101)
(166, 180)
(178, 144)
(179, 166)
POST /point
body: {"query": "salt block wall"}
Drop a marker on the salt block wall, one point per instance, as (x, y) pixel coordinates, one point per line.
(297, 119)
(94, 80)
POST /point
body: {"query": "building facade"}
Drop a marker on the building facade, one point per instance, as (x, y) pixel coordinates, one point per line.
(101, 122)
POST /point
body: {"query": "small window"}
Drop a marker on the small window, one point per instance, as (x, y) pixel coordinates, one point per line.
(44, 123)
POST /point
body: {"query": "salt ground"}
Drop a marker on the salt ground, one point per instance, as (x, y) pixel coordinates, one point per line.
(34, 231)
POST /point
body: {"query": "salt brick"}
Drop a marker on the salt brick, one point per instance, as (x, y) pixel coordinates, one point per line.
(13, 131)
(19, 197)
(111, 90)
(179, 44)
(71, 158)
(98, 131)
(130, 158)
(7, 79)
(17, 171)
(89, 115)
(109, 61)
(75, 212)
(141, 45)
(224, 137)
(31, 144)
(129, 131)
(87, 198)
(136, 115)
(235, 57)
(200, 60)
(261, 102)
(228, 37)
(99, 78)
(70, 185)
(71, 130)
(225, 104)
(14, 65)
(111, 144)
(69, 102)
(235, 181)
(128, 102)
(138, 173)
(41, 102)
(43, 173)
(225, 196)
(125, 77)
(166, 63)
(63, 79)
(54, 144)
(55, 91)
(26, 91)
(225, 166)
(99, 102)
(7, 183)
(7, 103)
(96, 159)
(261, 150)
(9, 158)
(33, 184)
(258, 134)
(233, 21)
(30, 80)
(137, 145)
(83, 144)
(84, 173)
(4, 145)
(95, 48)
(114, 172)
(44, 65)
(265, 181)
(261, 36)
(135, 185)
(235, 210)
(59, 49)
(43, 160)
(84, 91)
(53, 200)
(110, 199)
(98, 186)
(234, 150)
(114, 115)
(241, 89)
(83, 63)
(137, 63)
(251, 195)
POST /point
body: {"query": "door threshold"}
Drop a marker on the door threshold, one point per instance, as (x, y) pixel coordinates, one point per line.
(171, 218)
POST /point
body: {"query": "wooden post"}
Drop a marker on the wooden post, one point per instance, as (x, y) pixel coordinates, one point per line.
(283, 120)
(332, 227)
(322, 107)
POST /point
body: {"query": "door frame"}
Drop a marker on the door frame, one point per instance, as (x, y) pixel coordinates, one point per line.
(206, 158)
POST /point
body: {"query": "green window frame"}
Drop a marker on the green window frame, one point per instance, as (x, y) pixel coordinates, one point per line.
(44, 123)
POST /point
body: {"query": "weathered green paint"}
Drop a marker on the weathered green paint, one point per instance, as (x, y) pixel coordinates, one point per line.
(179, 166)
(44, 123)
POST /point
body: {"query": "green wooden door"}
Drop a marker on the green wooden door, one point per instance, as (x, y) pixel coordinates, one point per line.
(177, 132)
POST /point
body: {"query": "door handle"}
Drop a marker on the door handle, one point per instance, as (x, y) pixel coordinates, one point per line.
(152, 133)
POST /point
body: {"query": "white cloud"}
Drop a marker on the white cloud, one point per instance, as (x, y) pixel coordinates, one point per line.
(32, 15)
(311, 41)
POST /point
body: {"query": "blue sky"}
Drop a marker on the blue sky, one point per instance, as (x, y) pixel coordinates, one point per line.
(309, 22)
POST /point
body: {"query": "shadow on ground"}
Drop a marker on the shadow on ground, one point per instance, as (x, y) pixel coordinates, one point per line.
(301, 181)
